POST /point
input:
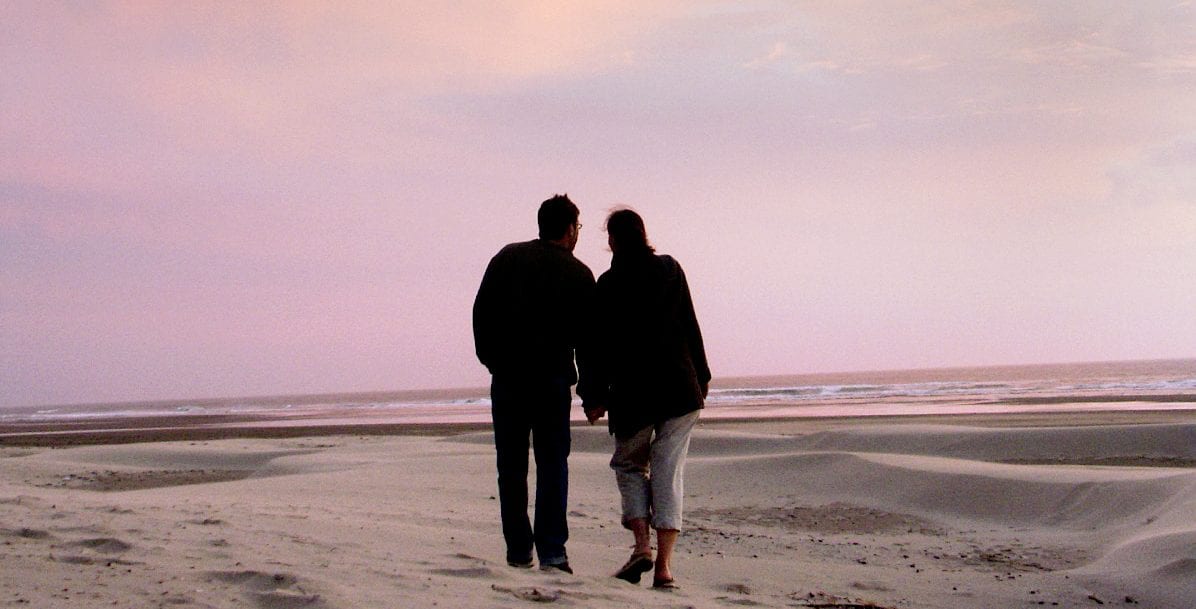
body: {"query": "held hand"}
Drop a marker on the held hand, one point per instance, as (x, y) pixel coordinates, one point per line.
(593, 413)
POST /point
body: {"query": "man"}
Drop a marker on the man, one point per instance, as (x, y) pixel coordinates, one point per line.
(529, 319)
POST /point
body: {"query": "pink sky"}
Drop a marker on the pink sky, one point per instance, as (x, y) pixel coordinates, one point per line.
(203, 200)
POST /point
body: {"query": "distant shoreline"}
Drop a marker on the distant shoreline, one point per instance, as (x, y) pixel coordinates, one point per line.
(196, 428)
(1096, 399)
(1182, 367)
(1096, 391)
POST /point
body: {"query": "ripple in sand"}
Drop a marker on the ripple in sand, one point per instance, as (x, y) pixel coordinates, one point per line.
(832, 518)
(109, 481)
(1183, 568)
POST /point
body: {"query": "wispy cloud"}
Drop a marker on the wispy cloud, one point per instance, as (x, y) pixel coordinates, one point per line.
(778, 52)
(1072, 54)
(1162, 175)
(1174, 65)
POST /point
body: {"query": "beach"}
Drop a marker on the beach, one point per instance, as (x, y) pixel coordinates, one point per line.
(1065, 509)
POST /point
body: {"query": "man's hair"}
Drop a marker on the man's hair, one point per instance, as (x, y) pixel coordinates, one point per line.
(556, 216)
(627, 232)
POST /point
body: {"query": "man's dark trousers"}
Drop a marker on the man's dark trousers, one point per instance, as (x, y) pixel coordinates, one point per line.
(535, 409)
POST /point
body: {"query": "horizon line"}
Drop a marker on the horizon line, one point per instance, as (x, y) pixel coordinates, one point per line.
(310, 398)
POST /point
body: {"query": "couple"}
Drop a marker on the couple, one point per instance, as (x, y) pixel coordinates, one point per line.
(639, 358)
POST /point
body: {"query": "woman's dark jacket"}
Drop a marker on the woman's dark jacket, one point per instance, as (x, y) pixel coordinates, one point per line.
(649, 354)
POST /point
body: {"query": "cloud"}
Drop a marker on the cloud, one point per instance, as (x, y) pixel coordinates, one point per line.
(269, 98)
(1072, 54)
(427, 46)
(778, 52)
(298, 177)
(1174, 65)
(1162, 175)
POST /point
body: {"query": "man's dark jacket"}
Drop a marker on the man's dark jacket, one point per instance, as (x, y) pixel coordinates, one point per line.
(651, 361)
(531, 311)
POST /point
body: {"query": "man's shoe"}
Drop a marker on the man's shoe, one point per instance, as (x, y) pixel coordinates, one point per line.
(636, 566)
(559, 566)
(518, 564)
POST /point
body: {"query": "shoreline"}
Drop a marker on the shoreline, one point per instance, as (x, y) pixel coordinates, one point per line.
(136, 430)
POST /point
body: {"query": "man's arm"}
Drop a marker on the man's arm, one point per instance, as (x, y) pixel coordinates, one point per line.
(485, 306)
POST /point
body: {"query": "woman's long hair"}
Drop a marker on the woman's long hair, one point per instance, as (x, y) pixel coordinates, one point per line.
(627, 232)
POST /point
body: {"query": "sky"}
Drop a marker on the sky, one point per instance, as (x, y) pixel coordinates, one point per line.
(216, 199)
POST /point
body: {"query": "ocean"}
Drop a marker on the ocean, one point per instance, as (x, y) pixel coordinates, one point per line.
(1103, 386)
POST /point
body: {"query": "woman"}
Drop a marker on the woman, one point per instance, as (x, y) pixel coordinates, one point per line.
(653, 368)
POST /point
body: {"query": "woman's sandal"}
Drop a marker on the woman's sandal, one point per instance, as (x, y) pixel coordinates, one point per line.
(665, 584)
(636, 566)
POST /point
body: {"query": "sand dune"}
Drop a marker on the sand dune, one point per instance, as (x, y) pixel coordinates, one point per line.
(1166, 443)
(895, 515)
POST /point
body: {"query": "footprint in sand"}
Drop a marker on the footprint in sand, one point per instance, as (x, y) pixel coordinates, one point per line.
(479, 568)
(74, 560)
(26, 533)
(28, 501)
(535, 595)
(739, 602)
(104, 545)
(871, 586)
(741, 589)
(270, 591)
(287, 599)
(466, 572)
(101, 545)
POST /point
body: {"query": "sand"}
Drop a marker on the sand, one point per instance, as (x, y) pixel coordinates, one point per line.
(983, 512)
